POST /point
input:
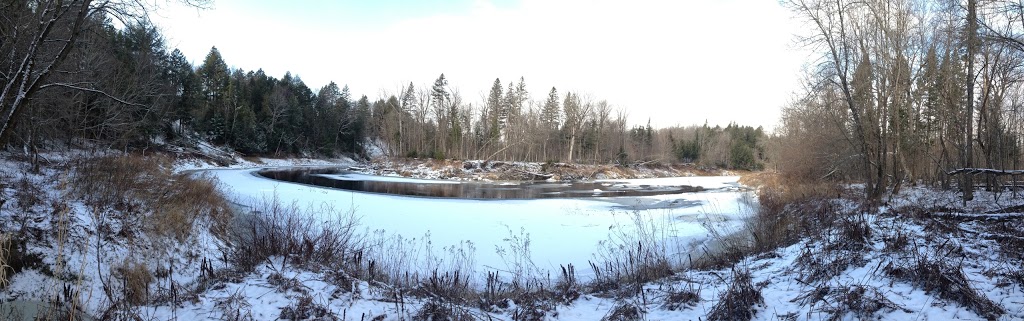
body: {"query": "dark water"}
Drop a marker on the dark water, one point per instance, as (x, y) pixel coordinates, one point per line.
(472, 190)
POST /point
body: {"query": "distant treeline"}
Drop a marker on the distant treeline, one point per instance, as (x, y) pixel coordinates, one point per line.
(124, 88)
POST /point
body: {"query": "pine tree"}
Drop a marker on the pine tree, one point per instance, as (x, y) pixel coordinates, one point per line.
(214, 78)
(494, 111)
(550, 113)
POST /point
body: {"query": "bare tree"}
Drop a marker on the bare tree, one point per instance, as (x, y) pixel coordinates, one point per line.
(38, 38)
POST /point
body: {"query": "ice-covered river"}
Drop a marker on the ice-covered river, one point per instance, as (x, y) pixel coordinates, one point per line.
(560, 230)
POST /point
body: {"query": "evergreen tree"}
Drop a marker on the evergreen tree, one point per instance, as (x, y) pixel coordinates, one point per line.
(494, 111)
(550, 113)
(214, 77)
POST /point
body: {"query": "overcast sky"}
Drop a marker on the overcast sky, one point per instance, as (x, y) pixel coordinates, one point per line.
(673, 62)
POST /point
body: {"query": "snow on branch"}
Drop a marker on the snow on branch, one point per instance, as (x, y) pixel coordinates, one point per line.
(990, 171)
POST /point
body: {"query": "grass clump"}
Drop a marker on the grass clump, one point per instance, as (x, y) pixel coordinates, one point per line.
(739, 302)
(679, 299)
(135, 279)
(438, 310)
(625, 311)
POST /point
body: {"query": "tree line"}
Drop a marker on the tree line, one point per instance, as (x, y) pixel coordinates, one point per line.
(119, 85)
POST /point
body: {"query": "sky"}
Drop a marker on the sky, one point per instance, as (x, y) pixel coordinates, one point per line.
(668, 61)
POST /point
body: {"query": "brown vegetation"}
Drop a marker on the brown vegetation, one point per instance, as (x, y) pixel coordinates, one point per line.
(739, 301)
(144, 187)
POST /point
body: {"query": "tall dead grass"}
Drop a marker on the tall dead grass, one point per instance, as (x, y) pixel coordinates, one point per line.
(314, 238)
(786, 211)
(145, 187)
(5, 252)
(634, 254)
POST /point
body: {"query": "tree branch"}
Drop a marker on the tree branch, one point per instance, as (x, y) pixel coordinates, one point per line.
(70, 86)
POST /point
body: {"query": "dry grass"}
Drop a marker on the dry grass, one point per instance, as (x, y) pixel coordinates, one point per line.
(738, 302)
(864, 302)
(135, 279)
(5, 252)
(301, 236)
(303, 308)
(787, 210)
(436, 310)
(145, 186)
(791, 210)
(625, 311)
(634, 255)
(937, 275)
(682, 298)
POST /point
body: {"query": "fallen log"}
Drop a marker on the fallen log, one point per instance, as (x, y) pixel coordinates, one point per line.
(988, 171)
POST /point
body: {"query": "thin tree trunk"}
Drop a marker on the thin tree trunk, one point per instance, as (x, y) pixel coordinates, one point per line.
(972, 27)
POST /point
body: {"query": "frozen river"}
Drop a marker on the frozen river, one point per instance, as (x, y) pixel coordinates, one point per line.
(560, 230)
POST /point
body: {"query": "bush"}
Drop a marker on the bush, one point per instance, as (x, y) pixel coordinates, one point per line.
(738, 302)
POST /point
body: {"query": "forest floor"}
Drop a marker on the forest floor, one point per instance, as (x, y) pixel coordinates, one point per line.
(136, 241)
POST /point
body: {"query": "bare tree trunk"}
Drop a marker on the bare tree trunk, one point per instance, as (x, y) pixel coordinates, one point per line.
(972, 28)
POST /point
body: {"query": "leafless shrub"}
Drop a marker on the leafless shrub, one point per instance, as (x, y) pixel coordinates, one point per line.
(895, 241)
(284, 284)
(842, 246)
(531, 310)
(936, 275)
(738, 302)
(787, 210)
(27, 194)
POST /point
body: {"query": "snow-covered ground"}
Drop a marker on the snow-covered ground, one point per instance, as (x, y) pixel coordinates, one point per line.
(915, 251)
(561, 231)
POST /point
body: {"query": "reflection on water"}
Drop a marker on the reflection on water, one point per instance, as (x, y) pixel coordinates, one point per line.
(471, 190)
